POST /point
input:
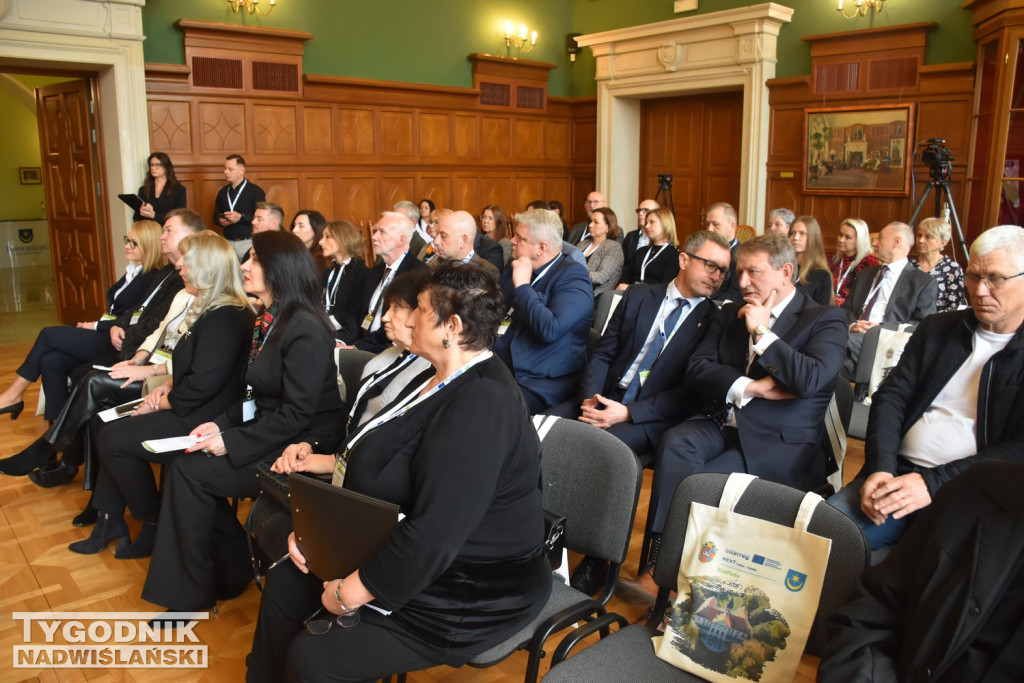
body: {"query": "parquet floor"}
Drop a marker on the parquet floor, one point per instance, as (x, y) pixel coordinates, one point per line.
(38, 573)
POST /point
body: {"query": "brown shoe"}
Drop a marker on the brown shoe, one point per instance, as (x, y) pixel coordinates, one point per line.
(642, 591)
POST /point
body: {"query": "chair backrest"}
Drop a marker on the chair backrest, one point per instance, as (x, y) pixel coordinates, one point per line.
(869, 350)
(593, 480)
(605, 306)
(776, 503)
(745, 233)
(350, 369)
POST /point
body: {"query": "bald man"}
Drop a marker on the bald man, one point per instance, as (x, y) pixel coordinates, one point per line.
(635, 239)
(456, 233)
(580, 231)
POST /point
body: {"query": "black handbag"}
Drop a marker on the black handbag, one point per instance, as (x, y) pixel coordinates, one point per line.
(269, 522)
(554, 539)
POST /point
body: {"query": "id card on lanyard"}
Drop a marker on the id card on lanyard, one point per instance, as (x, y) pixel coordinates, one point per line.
(162, 357)
(248, 405)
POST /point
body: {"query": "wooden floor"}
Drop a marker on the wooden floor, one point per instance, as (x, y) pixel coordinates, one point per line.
(38, 573)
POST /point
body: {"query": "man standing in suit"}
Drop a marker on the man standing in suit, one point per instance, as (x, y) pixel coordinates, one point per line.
(721, 218)
(543, 338)
(766, 370)
(454, 242)
(636, 239)
(892, 292)
(235, 205)
(580, 231)
(390, 241)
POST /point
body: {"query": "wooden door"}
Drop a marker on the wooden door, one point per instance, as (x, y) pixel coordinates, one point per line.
(78, 247)
(697, 139)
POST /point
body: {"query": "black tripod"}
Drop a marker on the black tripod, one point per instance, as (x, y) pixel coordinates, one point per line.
(941, 187)
(664, 194)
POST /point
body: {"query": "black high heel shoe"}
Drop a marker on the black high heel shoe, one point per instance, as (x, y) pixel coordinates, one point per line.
(14, 409)
(107, 529)
(36, 455)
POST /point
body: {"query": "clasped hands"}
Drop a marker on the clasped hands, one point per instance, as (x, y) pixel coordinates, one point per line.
(299, 457)
(883, 494)
(603, 412)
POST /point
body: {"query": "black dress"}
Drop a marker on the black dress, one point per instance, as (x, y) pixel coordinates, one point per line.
(463, 570)
(818, 287)
(164, 204)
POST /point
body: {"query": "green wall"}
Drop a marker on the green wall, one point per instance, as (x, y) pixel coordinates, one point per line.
(427, 41)
(19, 138)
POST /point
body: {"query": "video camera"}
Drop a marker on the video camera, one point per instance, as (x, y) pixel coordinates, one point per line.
(937, 157)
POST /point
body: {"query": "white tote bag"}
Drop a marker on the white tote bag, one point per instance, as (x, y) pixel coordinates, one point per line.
(748, 591)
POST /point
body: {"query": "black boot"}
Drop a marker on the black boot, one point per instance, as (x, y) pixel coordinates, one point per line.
(87, 516)
(141, 547)
(36, 455)
(53, 473)
(107, 529)
(589, 576)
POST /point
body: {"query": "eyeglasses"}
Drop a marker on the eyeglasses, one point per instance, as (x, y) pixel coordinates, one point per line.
(593, 202)
(709, 265)
(130, 242)
(319, 627)
(155, 164)
(643, 210)
(991, 281)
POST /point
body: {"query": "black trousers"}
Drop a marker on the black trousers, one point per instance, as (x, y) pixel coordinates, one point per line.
(200, 543)
(283, 650)
(637, 436)
(57, 351)
(125, 476)
(697, 445)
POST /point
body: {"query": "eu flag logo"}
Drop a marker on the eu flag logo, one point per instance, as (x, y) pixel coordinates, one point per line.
(795, 581)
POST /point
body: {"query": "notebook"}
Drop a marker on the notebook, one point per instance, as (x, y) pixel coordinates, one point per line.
(133, 201)
(337, 530)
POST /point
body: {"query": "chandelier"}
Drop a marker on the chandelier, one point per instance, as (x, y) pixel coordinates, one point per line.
(861, 7)
(253, 6)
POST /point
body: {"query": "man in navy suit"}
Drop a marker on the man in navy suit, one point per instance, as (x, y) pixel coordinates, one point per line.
(633, 383)
(543, 339)
(892, 292)
(767, 371)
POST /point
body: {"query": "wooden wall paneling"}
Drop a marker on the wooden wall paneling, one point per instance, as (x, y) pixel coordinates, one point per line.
(556, 140)
(275, 129)
(396, 133)
(438, 189)
(317, 130)
(528, 189)
(529, 139)
(785, 193)
(467, 135)
(282, 190)
(464, 194)
(355, 199)
(317, 194)
(435, 138)
(495, 134)
(496, 190)
(222, 128)
(356, 131)
(720, 163)
(786, 144)
(170, 127)
(584, 141)
(394, 189)
(190, 195)
(558, 188)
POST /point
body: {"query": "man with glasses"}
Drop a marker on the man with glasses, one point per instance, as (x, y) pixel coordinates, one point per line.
(955, 398)
(580, 231)
(637, 239)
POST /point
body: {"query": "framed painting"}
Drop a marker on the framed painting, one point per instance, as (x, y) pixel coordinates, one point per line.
(30, 175)
(859, 150)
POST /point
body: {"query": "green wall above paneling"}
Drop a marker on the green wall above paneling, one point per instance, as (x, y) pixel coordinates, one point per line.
(427, 41)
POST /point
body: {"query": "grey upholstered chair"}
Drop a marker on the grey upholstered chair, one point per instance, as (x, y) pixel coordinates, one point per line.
(628, 654)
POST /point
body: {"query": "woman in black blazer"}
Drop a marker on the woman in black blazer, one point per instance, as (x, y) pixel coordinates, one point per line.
(200, 554)
(205, 378)
(59, 349)
(160, 192)
(658, 262)
(344, 284)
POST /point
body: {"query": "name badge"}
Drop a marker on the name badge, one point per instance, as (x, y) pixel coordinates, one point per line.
(107, 316)
(644, 374)
(367, 322)
(162, 357)
(334, 321)
(135, 317)
(503, 327)
(248, 406)
(340, 467)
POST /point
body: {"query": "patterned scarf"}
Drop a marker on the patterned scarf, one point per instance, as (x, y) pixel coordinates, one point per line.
(260, 330)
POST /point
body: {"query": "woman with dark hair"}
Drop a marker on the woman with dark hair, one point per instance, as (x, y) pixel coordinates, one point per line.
(493, 224)
(658, 262)
(813, 277)
(309, 227)
(205, 378)
(463, 569)
(200, 553)
(601, 250)
(426, 207)
(160, 192)
(343, 283)
(558, 208)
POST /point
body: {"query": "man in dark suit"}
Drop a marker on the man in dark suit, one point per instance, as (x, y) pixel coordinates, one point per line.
(580, 231)
(551, 302)
(892, 292)
(236, 204)
(721, 218)
(489, 250)
(636, 239)
(454, 242)
(419, 238)
(390, 241)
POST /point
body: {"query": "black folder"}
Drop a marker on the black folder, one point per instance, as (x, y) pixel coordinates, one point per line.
(132, 200)
(337, 530)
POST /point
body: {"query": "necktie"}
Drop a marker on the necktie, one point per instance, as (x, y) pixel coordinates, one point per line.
(882, 274)
(653, 351)
(380, 299)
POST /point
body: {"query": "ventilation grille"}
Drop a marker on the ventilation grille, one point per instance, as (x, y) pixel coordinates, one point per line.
(529, 98)
(890, 74)
(835, 78)
(210, 72)
(275, 76)
(495, 94)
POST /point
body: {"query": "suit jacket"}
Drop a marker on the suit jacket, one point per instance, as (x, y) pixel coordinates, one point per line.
(630, 244)
(295, 384)
(661, 269)
(663, 401)
(132, 296)
(416, 243)
(730, 289)
(489, 250)
(250, 195)
(780, 439)
(347, 306)
(576, 233)
(166, 283)
(377, 341)
(914, 297)
(605, 266)
(545, 343)
(164, 204)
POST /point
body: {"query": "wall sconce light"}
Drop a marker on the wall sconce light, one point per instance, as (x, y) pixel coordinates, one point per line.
(252, 6)
(523, 39)
(861, 7)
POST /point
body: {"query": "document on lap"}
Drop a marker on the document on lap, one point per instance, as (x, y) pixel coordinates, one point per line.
(174, 443)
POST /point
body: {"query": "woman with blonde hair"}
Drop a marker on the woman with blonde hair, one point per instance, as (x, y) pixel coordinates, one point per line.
(205, 377)
(932, 237)
(813, 277)
(658, 262)
(853, 254)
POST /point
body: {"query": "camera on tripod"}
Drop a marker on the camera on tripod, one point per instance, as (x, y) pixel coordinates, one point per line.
(937, 157)
(665, 181)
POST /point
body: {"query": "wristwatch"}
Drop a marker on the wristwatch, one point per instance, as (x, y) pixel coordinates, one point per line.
(760, 331)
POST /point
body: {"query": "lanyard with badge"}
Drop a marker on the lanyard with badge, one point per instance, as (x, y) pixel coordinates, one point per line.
(843, 274)
(375, 379)
(378, 299)
(138, 313)
(503, 327)
(649, 257)
(249, 404)
(232, 202)
(331, 292)
(400, 408)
